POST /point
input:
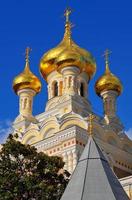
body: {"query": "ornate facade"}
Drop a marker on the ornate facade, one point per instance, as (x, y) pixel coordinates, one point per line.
(62, 128)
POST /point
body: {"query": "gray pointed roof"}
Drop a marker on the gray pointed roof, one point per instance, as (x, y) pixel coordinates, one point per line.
(93, 178)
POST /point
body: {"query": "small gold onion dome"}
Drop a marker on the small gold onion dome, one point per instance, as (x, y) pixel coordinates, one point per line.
(108, 81)
(26, 79)
(67, 53)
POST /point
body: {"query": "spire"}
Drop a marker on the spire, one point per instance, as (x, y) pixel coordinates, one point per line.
(93, 178)
(27, 51)
(106, 56)
(68, 24)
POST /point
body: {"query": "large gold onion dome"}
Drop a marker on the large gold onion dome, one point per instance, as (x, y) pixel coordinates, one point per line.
(67, 53)
(26, 79)
(108, 81)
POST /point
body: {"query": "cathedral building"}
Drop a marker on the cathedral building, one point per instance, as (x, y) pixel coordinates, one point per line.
(62, 128)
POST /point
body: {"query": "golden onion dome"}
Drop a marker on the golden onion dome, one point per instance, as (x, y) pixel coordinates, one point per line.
(108, 81)
(67, 53)
(26, 79)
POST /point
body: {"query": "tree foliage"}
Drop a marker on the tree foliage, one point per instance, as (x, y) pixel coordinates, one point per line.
(26, 174)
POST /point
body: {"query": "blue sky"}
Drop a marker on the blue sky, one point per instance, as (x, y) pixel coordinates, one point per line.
(40, 25)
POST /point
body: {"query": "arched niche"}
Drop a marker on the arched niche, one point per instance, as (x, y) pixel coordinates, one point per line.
(30, 137)
(69, 122)
(49, 128)
(49, 133)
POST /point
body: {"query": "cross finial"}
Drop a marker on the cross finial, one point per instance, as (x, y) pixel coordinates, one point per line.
(68, 25)
(106, 55)
(67, 14)
(90, 127)
(27, 51)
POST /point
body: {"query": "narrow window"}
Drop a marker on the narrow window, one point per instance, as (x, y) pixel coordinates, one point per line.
(25, 103)
(55, 89)
(70, 81)
(82, 90)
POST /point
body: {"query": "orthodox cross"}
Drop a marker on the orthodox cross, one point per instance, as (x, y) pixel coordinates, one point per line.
(106, 55)
(68, 24)
(28, 50)
(90, 127)
(67, 14)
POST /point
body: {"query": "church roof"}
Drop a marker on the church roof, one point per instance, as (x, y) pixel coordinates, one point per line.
(93, 179)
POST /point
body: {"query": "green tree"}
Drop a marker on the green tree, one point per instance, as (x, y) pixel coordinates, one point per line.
(26, 174)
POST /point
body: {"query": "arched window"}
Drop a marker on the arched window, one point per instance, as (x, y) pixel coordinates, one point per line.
(55, 89)
(82, 92)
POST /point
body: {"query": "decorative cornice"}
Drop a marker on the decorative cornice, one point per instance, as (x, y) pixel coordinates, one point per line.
(62, 136)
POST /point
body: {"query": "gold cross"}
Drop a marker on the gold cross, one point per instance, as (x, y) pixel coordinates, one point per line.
(90, 127)
(67, 14)
(106, 55)
(27, 51)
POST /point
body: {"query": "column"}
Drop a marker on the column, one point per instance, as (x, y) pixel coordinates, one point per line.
(60, 88)
(52, 90)
(49, 91)
(74, 158)
(109, 101)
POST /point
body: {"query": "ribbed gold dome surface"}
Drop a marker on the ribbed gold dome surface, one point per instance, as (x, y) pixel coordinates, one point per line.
(67, 53)
(26, 80)
(108, 82)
